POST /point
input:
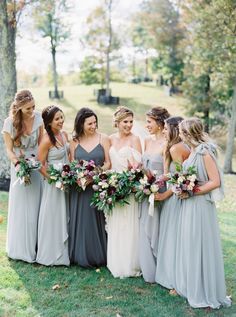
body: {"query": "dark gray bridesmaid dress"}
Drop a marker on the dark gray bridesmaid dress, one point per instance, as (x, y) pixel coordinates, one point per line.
(87, 236)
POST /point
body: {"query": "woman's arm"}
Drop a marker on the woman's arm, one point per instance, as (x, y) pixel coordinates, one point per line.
(178, 153)
(43, 149)
(41, 131)
(72, 150)
(213, 176)
(105, 142)
(9, 147)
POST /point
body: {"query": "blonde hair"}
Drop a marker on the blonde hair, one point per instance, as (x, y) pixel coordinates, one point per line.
(193, 131)
(120, 114)
(22, 97)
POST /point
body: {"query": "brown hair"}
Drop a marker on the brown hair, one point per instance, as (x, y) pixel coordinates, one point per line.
(48, 115)
(120, 114)
(80, 118)
(159, 114)
(193, 131)
(173, 136)
(22, 97)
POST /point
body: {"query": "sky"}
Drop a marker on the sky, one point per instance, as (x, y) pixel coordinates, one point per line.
(33, 52)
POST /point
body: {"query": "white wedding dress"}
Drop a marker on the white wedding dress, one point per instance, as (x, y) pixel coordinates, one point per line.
(123, 224)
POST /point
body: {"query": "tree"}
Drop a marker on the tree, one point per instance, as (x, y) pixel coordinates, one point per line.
(213, 56)
(10, 12)
(88, 71)
(101, 39)
(160, 20)
(49, 22)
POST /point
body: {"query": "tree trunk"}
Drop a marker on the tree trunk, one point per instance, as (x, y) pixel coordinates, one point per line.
(7, 76)
(146, 66)
(206, 111)
(231, 135)
(54, 71)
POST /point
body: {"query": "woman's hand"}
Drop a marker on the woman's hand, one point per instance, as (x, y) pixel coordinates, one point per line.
(184, 195)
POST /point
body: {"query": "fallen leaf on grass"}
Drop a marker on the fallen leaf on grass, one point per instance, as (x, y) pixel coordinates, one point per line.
(1, 219)
(109, 297)
(56, 286)
(118, 315)
(98, 270)
(101, 279)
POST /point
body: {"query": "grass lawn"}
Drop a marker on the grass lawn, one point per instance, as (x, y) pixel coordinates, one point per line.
(27, 290)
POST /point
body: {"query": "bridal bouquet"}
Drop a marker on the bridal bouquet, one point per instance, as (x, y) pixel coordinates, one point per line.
(149, 184)
(106, 189)
(61, 175)
(184, 181)
(84, 171)
(23, 168)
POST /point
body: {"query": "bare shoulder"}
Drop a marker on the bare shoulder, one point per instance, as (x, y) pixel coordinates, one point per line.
(65, 135)
(45, 142)
(178, 148)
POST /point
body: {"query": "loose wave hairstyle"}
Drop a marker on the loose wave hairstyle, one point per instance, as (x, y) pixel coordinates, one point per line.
(121, 113)
(172, 124)
(48, 115)
(159, 114)
(22, 97)
(193, 131)
(80, 118)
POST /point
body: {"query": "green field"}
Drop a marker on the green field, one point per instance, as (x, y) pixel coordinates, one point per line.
(27, 290)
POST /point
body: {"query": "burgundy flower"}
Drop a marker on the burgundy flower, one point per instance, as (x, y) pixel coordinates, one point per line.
(111, 190)
(66, 168)
(103, 176)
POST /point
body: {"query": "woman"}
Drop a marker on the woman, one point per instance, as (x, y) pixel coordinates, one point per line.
(87, 242)
(149, 222)
(199, 260)
(123, 225)
(53, 216)
(175, 151)
(22, 133)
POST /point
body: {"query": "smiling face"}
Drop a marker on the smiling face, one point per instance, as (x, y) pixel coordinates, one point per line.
(90, 125)
(166, 132)
(126, 125)
(151, 125)
(28, 109)
(57, 122)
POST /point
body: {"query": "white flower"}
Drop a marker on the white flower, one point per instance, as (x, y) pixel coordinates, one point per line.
(144, 180)
(154, 188)
(192, 178)
(180, 180)
(53, 177)
(58, 184)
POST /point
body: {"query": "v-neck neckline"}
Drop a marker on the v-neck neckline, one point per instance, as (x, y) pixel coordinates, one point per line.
(88, 152)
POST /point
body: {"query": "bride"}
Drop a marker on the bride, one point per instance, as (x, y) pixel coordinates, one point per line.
(123, 224)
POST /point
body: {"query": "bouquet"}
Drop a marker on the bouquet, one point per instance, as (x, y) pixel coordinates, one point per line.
(184, 181)
(105, 191)
(114, 187)
(61, 175)
(84, 171)
(23, 168)
(147, 186)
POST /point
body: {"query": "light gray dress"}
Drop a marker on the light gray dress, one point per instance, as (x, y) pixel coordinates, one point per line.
(24, 201)
(165, 269)
(53, 218)
(199, 261)
(149, 225)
